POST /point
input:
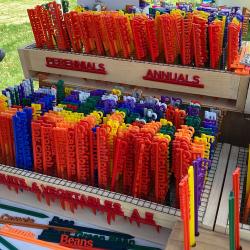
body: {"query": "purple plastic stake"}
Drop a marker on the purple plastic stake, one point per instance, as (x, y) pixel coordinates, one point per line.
(193, 111)
(200, 171)
(166, 99)
(196, 190)
(176, 101)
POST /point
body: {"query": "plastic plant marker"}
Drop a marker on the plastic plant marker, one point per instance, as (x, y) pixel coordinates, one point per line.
(192, 212)
(236, 190)
(35, 225)
(23, 211)
(28, 237)
(7, 244)
(185, 211)
(231, 221)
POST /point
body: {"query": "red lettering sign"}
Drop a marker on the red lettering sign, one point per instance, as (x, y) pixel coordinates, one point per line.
(73, 199)
(83, 66)
(76, 243)
(173, 78)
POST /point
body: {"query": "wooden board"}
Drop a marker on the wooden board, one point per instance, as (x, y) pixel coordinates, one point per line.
(207, 240)
(221, 89)
(214, 196)
(164, 216)
(222, 216)
(86, 216)
(247, 105)
(238, 157)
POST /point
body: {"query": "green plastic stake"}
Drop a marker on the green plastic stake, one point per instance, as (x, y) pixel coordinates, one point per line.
(23, 211)
(231, 221)
(8, 245)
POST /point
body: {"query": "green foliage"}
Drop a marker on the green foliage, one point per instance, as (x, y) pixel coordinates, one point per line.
(15, 32)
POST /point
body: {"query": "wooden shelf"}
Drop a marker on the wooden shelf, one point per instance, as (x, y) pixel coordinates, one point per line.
(222, 89)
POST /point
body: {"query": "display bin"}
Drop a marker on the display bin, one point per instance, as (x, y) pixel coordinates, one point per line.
(164, 216)
(213, 88)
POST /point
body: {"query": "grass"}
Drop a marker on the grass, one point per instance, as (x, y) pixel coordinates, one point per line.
(15, 32)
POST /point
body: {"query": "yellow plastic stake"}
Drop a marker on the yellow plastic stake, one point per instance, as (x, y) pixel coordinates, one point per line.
(192, 215)
(248, 173)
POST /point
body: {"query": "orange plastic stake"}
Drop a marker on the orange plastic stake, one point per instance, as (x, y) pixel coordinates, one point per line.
(83, 154)
(48, 148)
(37, 146)
(84, 19)
(71, 155)
(97, 32)
(122, 24)
(233, 43)
(185, 210)
(139, 34)
(236, 190)
(186, 41)
(72, 23)
(159, 161)
(60, 138)
(28, 237)
(215, 37)
(152, 39)
(121, 147)
(103, 156)
(111, 34)
(169, 37)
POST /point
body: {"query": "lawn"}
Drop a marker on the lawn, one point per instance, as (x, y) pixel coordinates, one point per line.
(15, 32)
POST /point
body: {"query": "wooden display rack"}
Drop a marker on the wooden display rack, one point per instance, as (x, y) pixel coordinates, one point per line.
(238, 157)
(164, 216)
(213, 88)
(224, 90)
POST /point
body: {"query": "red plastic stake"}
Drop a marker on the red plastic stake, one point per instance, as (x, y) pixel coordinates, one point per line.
(37, 28)
(60, 30)
(236, 190)
(185, 210)
(47, 25)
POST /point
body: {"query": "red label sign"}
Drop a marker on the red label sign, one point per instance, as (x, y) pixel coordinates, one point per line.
(83, 66)
(173, 78)
(76, 200)
(75, 243)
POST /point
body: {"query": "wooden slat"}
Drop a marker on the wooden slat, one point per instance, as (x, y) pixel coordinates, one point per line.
(214, 197)
(247, 106)
(222, 215)
(207, 240)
